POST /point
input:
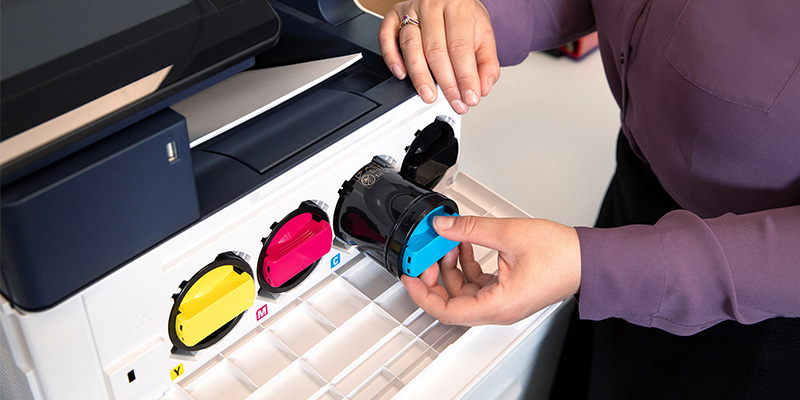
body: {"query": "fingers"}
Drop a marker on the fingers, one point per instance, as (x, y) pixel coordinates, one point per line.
(494, 233)
(426, 285)
(472, 268)
(462, 310)
(453, 43)
(460, 25)
(486, 51)
(451, 276)
(411, 46)
(403, 52)
(387, 39)
(487, 62)
(452, 303)
(468, 280)
(430, 277)
(437, 39)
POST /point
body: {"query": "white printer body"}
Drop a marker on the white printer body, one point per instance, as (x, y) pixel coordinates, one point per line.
(345, 329)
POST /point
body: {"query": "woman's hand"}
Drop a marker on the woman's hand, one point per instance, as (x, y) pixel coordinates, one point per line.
(454, 41)
(539, 263)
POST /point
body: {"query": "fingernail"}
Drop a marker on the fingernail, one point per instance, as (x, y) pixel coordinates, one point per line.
(443, 223)
(397, 71)
(427, 94)
(471, 97)
(458, 106)
(491, 84)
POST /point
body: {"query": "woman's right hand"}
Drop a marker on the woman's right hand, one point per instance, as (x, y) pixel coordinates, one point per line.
(454, 41)
(538, 264)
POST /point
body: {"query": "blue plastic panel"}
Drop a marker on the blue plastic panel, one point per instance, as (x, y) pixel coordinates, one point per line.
(68, 225)
(425, 247)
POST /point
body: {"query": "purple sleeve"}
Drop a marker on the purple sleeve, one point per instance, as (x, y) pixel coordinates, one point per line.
(685, 274)
(522, 26)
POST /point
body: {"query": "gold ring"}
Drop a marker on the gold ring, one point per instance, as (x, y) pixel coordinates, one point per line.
(406, 20)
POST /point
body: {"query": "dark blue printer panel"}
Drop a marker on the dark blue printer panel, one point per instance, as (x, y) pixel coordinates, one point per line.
(65, 225)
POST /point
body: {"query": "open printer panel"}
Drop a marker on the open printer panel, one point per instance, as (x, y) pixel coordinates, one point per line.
(138, 267)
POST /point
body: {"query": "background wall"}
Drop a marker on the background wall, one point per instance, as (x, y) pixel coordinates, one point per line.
(545, 137)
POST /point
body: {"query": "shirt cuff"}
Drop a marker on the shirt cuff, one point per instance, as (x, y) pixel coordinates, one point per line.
(513, 29)
(623, 273)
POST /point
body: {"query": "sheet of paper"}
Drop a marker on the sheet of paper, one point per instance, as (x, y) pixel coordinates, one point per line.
(250, 93)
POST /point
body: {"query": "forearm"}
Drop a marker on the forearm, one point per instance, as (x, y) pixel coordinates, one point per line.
(685, 273)
(522, 26)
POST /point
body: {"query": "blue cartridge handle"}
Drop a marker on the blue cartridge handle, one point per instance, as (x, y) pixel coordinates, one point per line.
(424, 246)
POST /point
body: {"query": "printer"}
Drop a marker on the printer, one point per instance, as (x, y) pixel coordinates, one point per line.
(174, 226)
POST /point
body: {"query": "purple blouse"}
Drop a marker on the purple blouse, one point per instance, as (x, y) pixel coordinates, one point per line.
(709, 93)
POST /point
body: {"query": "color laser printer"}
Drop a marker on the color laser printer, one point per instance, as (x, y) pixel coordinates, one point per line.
(160, 239)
